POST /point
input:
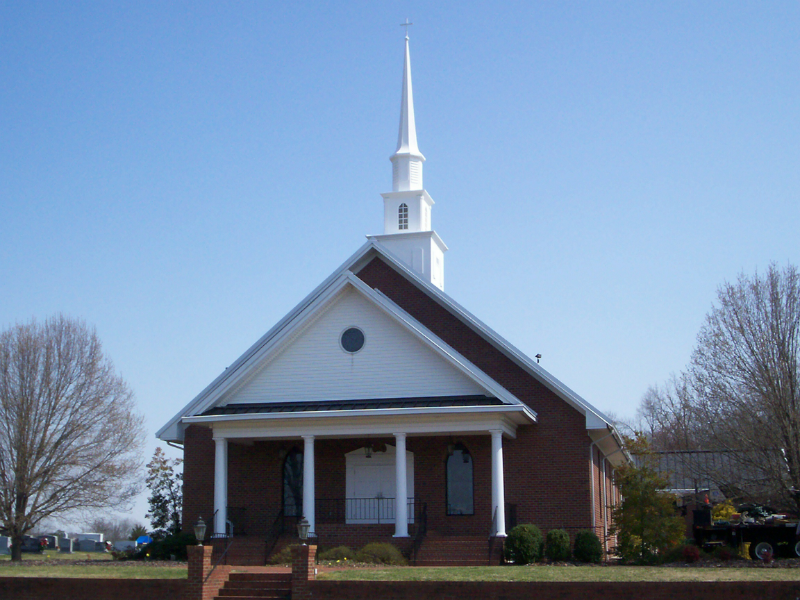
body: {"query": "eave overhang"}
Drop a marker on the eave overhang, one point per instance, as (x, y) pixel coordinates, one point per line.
(368, 423)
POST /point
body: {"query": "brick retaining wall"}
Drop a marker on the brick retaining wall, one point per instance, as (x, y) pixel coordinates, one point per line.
(439, 590)
(49, 588)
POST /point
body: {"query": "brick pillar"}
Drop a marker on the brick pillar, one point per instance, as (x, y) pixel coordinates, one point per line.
(197, 588)
(304, 570)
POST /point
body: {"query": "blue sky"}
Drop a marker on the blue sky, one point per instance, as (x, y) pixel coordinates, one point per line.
(181, 174)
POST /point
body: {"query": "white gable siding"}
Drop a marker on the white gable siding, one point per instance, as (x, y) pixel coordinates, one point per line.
(392, 363)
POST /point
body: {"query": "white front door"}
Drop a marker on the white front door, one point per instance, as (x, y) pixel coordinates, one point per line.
(371, 486)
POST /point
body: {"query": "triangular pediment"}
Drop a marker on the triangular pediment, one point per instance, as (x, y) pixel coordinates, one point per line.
(311, 364)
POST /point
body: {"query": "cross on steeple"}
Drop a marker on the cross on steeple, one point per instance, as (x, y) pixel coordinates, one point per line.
(406, 25)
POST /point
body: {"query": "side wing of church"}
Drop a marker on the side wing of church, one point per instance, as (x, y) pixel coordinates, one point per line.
(380, 410)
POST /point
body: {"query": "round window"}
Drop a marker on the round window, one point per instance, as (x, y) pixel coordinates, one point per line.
(352, 340)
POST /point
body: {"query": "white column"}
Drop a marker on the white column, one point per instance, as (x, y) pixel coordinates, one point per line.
(498, 490)
(308, 483)
(220, 484)
(401, 494)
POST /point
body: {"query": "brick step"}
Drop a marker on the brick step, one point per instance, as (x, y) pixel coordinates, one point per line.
(453, 563)
(254, 593)
(264, 585)
(285, 577)
(281, 596)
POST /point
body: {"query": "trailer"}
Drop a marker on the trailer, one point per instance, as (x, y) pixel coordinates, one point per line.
(772, 538)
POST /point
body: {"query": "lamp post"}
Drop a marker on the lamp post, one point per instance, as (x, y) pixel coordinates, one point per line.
(302, 530)
(200, 531)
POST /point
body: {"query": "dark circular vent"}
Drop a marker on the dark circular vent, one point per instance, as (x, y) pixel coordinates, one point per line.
(352, 340)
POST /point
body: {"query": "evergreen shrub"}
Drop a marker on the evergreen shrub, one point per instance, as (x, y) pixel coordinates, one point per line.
(588, 548)
(380, 553)
(557, 545)
(338, 553)
(524, 544)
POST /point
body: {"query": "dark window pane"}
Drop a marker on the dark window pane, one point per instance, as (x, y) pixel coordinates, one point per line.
(293, 484)
(459, 482)
(353, 340)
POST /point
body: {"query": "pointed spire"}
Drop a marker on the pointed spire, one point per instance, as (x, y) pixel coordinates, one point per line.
(407, 159)
(407, 136)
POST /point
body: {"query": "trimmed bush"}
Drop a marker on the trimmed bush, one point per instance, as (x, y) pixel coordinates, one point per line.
(283, 556)
(588, 548)
(557, 545)
(338, 553)
(172, 545)
(524, 544)
(380, 553)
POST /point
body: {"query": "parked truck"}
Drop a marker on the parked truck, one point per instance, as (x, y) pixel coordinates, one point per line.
(768, 536)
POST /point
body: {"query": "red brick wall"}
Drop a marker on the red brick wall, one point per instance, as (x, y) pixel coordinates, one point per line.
(198, 477)
(50, 588)
(425, 590)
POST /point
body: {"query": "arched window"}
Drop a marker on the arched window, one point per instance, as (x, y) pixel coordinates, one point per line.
(459, 482)
(293, 484)
(402, 214)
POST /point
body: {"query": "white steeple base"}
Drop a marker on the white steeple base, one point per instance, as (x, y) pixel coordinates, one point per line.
(422, 251)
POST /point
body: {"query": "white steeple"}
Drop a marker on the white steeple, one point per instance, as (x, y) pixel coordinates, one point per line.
(407, 230)
(407, 159)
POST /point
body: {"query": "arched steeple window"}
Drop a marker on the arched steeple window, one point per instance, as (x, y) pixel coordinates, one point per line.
(402, 216)
(293, 484)
(459, 482)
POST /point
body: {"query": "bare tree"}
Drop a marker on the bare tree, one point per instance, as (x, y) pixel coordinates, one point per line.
(745, 372)
(112, 529)
(666, 415)
(734, 415)
(70, 438)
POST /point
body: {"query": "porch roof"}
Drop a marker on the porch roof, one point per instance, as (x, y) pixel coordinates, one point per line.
(359, 404)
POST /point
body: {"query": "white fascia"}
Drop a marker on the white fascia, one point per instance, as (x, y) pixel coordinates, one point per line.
(370, 422)
(594, 418)
(430, 233)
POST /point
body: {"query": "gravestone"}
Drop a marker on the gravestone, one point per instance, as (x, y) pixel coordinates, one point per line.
(65, 545)
(99, 546)
(95, 537)
(52, 541)
(86, 545)
(5, 544)
(124, 545)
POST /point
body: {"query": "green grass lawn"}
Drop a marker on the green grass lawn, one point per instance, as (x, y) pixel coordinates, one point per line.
(53, 555)
(81, 564)
(565, 573)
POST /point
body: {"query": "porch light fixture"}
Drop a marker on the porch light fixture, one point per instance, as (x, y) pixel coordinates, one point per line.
(200, 531)
(302, 529)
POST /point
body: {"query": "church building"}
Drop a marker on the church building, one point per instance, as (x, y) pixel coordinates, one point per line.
(381, 410)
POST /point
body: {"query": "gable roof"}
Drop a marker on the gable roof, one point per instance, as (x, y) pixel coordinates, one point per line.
(344, 275)
(281, 335)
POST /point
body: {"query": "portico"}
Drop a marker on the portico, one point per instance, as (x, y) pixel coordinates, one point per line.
(483, 417)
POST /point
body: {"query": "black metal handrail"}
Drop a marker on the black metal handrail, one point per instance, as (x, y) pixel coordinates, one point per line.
(274, 534)
(361, 510)
(422, 529)
(219, 536)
